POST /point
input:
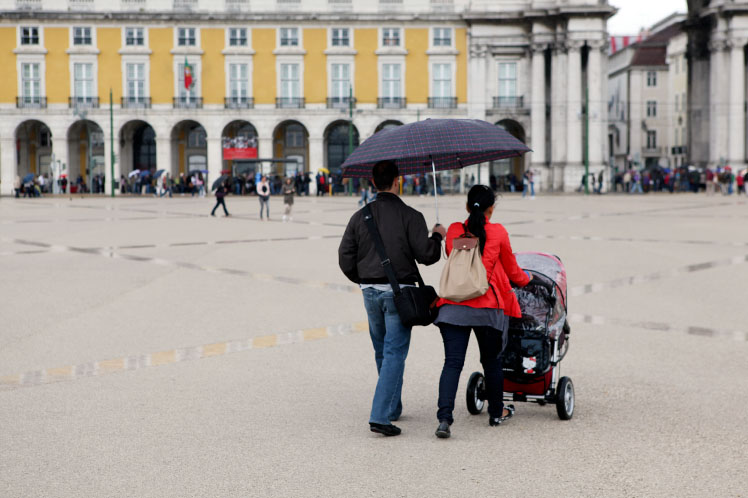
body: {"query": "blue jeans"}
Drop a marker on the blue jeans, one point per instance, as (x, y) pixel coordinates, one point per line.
(391, 340)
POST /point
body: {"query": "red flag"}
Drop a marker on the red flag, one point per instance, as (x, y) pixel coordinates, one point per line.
(187, 75)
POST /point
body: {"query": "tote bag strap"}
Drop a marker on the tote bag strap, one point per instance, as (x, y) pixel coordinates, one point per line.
(371, 224)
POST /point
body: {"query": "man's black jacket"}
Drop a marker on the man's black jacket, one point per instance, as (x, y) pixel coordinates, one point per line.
(406, 239)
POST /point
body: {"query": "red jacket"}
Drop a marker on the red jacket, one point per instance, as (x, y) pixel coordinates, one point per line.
(501, 267)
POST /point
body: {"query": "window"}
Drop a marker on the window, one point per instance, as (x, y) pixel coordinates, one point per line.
(651, 140)
(442, 80)
(442, 37)
(84, 83)
(390, 37)
(290, 81)
(29, 35)
(186, 37)
(391, 81)
(238, 82)
(187, 95)
(507, 80)
(135, 82)
(289, 37)
(238, 37)
(82, 36)
(196, 138)
(31, 83)
(134, 37)
(341, 37)
(294, 136)
(651, 108)
(651, 78)
(341, 81)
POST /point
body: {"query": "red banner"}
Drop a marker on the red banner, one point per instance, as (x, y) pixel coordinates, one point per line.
(243, 153)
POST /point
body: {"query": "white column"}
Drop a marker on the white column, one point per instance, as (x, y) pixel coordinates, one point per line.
(737, 104)
(597, 105)
(574, 102)
(477, 83)
(718, 91)
(215, 161)
(558, 115)
(108, 165)
(635, 131)
(537, 108)
(163, 154)
(60, 148)
(316, 160)
(8, 167)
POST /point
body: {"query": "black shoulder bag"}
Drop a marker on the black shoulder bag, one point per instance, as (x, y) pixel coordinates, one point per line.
(415, 305)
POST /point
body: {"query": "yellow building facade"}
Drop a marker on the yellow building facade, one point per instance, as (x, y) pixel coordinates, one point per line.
(283, 86)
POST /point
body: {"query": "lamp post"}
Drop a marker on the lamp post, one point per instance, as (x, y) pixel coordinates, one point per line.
(111, 140)
(350, 132)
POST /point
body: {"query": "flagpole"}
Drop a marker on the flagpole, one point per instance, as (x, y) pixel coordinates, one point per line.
(111, 138)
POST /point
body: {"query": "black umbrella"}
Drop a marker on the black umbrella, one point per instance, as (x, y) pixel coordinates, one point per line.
(219, 181)
(434, 144)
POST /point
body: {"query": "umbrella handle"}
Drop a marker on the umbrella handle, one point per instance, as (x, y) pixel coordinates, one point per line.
(436, 199)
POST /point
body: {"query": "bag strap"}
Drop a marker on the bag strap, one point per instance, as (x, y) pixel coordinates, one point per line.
(379, 245)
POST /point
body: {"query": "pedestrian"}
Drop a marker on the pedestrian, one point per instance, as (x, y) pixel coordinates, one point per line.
(17, 186)
(263, 191)
(485, 315)
(740, 179)
(289, 189)
(599, 189)
(528, 184)
(407, 242)
(221, 199)
(636, 185)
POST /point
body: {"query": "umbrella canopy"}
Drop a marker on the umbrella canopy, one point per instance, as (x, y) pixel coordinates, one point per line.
(145, 172)
(324, 170)
(133, 173)
(28, 178)
(219, 181)
(434, 144)
(159, 173)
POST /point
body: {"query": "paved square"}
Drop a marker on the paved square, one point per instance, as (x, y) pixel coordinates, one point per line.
(147, 349)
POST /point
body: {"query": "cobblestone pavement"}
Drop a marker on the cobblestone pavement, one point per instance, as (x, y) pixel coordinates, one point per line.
(149, 350)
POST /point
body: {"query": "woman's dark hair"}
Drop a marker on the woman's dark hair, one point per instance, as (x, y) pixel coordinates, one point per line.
(480, 198)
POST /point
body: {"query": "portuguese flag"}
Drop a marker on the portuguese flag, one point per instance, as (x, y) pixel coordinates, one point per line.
(188, 81)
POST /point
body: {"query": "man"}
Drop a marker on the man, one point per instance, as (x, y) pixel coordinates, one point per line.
(406, 241)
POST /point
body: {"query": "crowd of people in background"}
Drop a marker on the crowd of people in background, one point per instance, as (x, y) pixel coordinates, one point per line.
(721, 180)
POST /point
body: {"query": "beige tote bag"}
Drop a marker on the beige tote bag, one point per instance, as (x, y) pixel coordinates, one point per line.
(464, 276)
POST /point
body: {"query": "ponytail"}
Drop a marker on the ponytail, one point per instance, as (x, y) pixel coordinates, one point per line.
(480, 198)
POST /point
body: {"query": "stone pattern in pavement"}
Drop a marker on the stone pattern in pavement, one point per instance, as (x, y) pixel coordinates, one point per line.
(150, 350)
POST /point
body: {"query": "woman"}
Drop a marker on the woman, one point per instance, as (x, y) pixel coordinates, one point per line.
(288, 192)
(263, 190)
(485, 315)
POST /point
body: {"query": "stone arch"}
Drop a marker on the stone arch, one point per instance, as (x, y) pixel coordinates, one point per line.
(514, 166)
(239, 146)
(189, 147)
(33, 148)
(390, 123)
(290, 141)
(337, 144)
(86, 160)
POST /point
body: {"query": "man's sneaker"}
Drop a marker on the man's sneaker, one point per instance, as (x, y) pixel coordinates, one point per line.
(443, 431)
(494, 421)
(387, 430)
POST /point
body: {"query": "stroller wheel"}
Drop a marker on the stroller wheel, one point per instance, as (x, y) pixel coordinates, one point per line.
(565, 399)
(476, 393)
